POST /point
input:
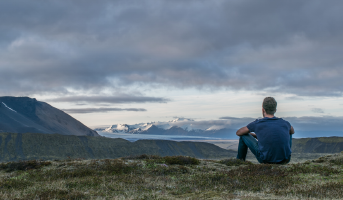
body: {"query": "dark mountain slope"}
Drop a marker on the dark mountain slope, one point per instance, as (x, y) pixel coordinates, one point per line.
(23, 114)
(17, 146)
(318, 145)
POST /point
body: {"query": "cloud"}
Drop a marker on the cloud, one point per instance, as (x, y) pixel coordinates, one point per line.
(101, 110)
(294, 98)
(236, 118)
(56, 47)
(317, 110)
(110, 99)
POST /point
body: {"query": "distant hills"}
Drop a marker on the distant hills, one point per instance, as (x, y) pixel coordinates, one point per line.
(28, 146)
(318, 145)
(24, 114)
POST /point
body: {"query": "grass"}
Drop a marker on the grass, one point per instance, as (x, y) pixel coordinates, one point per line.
(234, 162)
(171, 177)
(171, 160)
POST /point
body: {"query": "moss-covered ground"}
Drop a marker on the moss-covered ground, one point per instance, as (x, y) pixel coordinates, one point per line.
(176, 177)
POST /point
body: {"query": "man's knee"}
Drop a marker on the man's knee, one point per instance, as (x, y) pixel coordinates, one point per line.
(241, 137)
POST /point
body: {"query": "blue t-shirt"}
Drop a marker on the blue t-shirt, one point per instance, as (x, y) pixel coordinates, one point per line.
(273, 136)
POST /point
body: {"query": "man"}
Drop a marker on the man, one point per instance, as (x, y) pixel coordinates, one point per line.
(274, 137)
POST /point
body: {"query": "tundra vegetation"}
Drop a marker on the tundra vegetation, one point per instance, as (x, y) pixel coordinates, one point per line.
(171, 177)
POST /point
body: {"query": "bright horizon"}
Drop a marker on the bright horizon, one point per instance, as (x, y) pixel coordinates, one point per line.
(209, 108)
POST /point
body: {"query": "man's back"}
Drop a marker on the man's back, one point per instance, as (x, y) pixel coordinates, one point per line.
(273, 136)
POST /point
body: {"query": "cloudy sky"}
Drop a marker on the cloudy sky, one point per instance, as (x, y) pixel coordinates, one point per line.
(129, 61)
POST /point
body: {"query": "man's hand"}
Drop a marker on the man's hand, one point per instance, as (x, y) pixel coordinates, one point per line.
(291, 131)
(242, 131)
(254, 135)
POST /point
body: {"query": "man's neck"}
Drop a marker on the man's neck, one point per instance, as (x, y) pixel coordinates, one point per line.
(269, 116)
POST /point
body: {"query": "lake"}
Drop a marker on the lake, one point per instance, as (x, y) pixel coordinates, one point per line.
(135, 137)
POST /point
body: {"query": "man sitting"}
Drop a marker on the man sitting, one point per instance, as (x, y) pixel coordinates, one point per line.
(274, 137)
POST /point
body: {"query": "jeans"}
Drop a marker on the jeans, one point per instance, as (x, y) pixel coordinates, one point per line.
(248, 141)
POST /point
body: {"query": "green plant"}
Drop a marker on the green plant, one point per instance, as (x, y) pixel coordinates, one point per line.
(181, 160)
(234, 162)
(23, 165)
(313, 169)
(337, 161)
(143, 156)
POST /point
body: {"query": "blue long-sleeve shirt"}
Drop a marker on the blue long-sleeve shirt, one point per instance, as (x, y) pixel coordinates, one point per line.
(273, 138)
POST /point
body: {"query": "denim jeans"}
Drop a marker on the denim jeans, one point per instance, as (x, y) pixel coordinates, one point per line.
(248, 141)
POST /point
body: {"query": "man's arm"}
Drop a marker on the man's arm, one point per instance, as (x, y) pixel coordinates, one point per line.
(291, 131)
(242, 131)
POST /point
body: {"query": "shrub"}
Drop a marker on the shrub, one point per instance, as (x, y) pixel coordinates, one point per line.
(337, 161)
(181, 160)
(24, 165)
(143, 156)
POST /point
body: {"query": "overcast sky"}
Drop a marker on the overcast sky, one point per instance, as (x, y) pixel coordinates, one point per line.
(128, 61)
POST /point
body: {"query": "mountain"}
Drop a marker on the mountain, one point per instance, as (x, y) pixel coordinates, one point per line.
(24, 115)
(29, 146)
(179, 126)
(318, 145)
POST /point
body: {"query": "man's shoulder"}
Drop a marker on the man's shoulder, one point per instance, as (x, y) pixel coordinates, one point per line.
(283, 120)
(266, 119)
(255, 121)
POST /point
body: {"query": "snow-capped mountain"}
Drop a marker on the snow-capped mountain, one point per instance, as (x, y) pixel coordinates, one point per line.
(137, 128)
(124, 128)
(178, 126)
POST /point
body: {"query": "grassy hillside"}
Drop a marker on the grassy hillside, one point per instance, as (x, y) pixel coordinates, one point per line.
(318, 145)
(30, 146)
(154, 177)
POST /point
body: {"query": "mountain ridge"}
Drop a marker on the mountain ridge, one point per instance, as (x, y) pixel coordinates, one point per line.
(24, 114)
